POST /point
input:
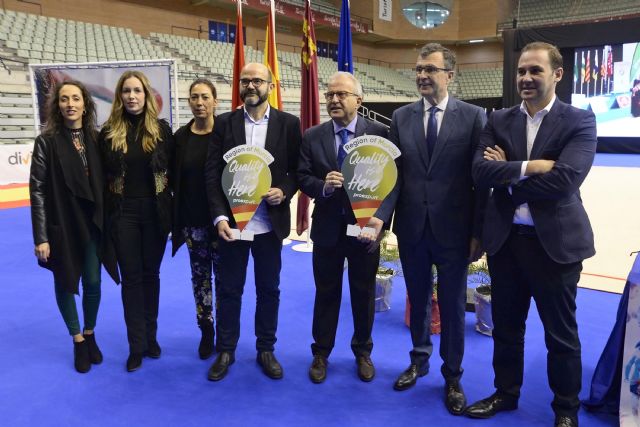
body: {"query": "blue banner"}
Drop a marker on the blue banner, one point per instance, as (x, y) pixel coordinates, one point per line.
(213, 30)
(222, 32)
(232, 33)
(345, 55)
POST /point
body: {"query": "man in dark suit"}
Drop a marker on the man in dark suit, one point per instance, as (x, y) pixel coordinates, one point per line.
(437, 214)
(257, 124)
(321, 156)
(535, 156)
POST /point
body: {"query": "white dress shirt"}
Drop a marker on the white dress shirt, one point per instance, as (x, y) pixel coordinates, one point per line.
(442, 106)
(523, 214)
(255, 134)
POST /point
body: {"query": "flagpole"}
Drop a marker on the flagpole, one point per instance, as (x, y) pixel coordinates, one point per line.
(595, 61)
(581, 76)
(345, 48)
(601, 68)
(587, 71)
(576, 72)
(309, 114)
(238, 58)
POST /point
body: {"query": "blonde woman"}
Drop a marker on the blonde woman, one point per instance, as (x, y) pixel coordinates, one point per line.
(137, 150)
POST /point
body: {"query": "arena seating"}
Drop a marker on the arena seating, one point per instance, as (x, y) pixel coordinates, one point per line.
(27, 38)
(547, 12)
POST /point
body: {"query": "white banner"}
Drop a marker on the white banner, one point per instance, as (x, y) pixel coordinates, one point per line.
(101, 79)
(630, 388)
(385, 7)
(15, 163)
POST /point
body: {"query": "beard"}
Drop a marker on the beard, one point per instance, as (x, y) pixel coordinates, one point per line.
(262, 97)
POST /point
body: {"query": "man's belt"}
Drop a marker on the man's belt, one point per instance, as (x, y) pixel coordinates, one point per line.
(523, 230)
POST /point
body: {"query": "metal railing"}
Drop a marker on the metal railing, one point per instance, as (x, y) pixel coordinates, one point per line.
(374, 116)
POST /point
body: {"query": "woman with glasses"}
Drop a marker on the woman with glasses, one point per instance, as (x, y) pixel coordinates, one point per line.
(192, 222)
(67, 211)
(137, 149)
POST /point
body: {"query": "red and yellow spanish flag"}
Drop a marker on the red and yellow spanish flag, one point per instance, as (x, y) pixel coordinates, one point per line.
(238, 59)
(309, 101)
(14, 196)
(587, 68)
(271, 58)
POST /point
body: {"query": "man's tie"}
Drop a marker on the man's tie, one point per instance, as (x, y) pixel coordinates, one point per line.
(432, 130)
(344, 138)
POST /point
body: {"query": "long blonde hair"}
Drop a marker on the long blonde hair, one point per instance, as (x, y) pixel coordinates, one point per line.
(117, 125)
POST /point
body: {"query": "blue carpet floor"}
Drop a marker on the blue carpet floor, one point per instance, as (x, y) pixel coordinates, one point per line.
(39, 387)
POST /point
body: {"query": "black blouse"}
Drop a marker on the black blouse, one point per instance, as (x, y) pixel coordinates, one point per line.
(193, 209)
(138, 180)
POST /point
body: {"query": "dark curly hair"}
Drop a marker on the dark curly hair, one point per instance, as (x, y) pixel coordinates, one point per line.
(54, 120)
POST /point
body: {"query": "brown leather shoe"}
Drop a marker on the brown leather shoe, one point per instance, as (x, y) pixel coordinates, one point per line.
(366, 370)
(318, 369)
(270, 365)
(220, 366)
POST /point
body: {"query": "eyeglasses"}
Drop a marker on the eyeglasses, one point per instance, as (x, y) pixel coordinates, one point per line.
(341, 95)
(429, 69)
(256, 82)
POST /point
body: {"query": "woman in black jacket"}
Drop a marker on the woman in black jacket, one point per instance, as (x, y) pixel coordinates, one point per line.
(66, 188)
(136, 150)
(192, 220)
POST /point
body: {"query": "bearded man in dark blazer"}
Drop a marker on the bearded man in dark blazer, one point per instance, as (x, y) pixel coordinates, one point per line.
(256, 124)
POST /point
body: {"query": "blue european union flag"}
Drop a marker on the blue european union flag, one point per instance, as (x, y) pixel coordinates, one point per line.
(345, 50)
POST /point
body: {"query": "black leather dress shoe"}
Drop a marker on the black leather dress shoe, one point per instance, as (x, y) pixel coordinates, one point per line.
(566, 421)
(487, 408)
(270, 365)
(454, 398)
(366, 370)
(408, 378)
(220, 366)
(134, 361)
(318, 369)
(153, 350)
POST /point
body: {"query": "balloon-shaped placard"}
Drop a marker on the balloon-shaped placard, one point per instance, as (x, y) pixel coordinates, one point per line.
(370, 174)
(245, 179)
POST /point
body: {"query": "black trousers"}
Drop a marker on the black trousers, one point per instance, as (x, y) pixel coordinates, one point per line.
(521, 269)
(328, 267)
(451, 264)
(140, 247)
(266, 251)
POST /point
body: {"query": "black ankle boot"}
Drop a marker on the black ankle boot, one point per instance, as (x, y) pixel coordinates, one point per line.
(153, 349)
(81, 359)
(205, 349)
(134, 361)
(95, 355)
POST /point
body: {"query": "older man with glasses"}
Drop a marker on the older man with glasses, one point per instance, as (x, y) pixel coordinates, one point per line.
(257, 124)
(321, 157)
(437, 215)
